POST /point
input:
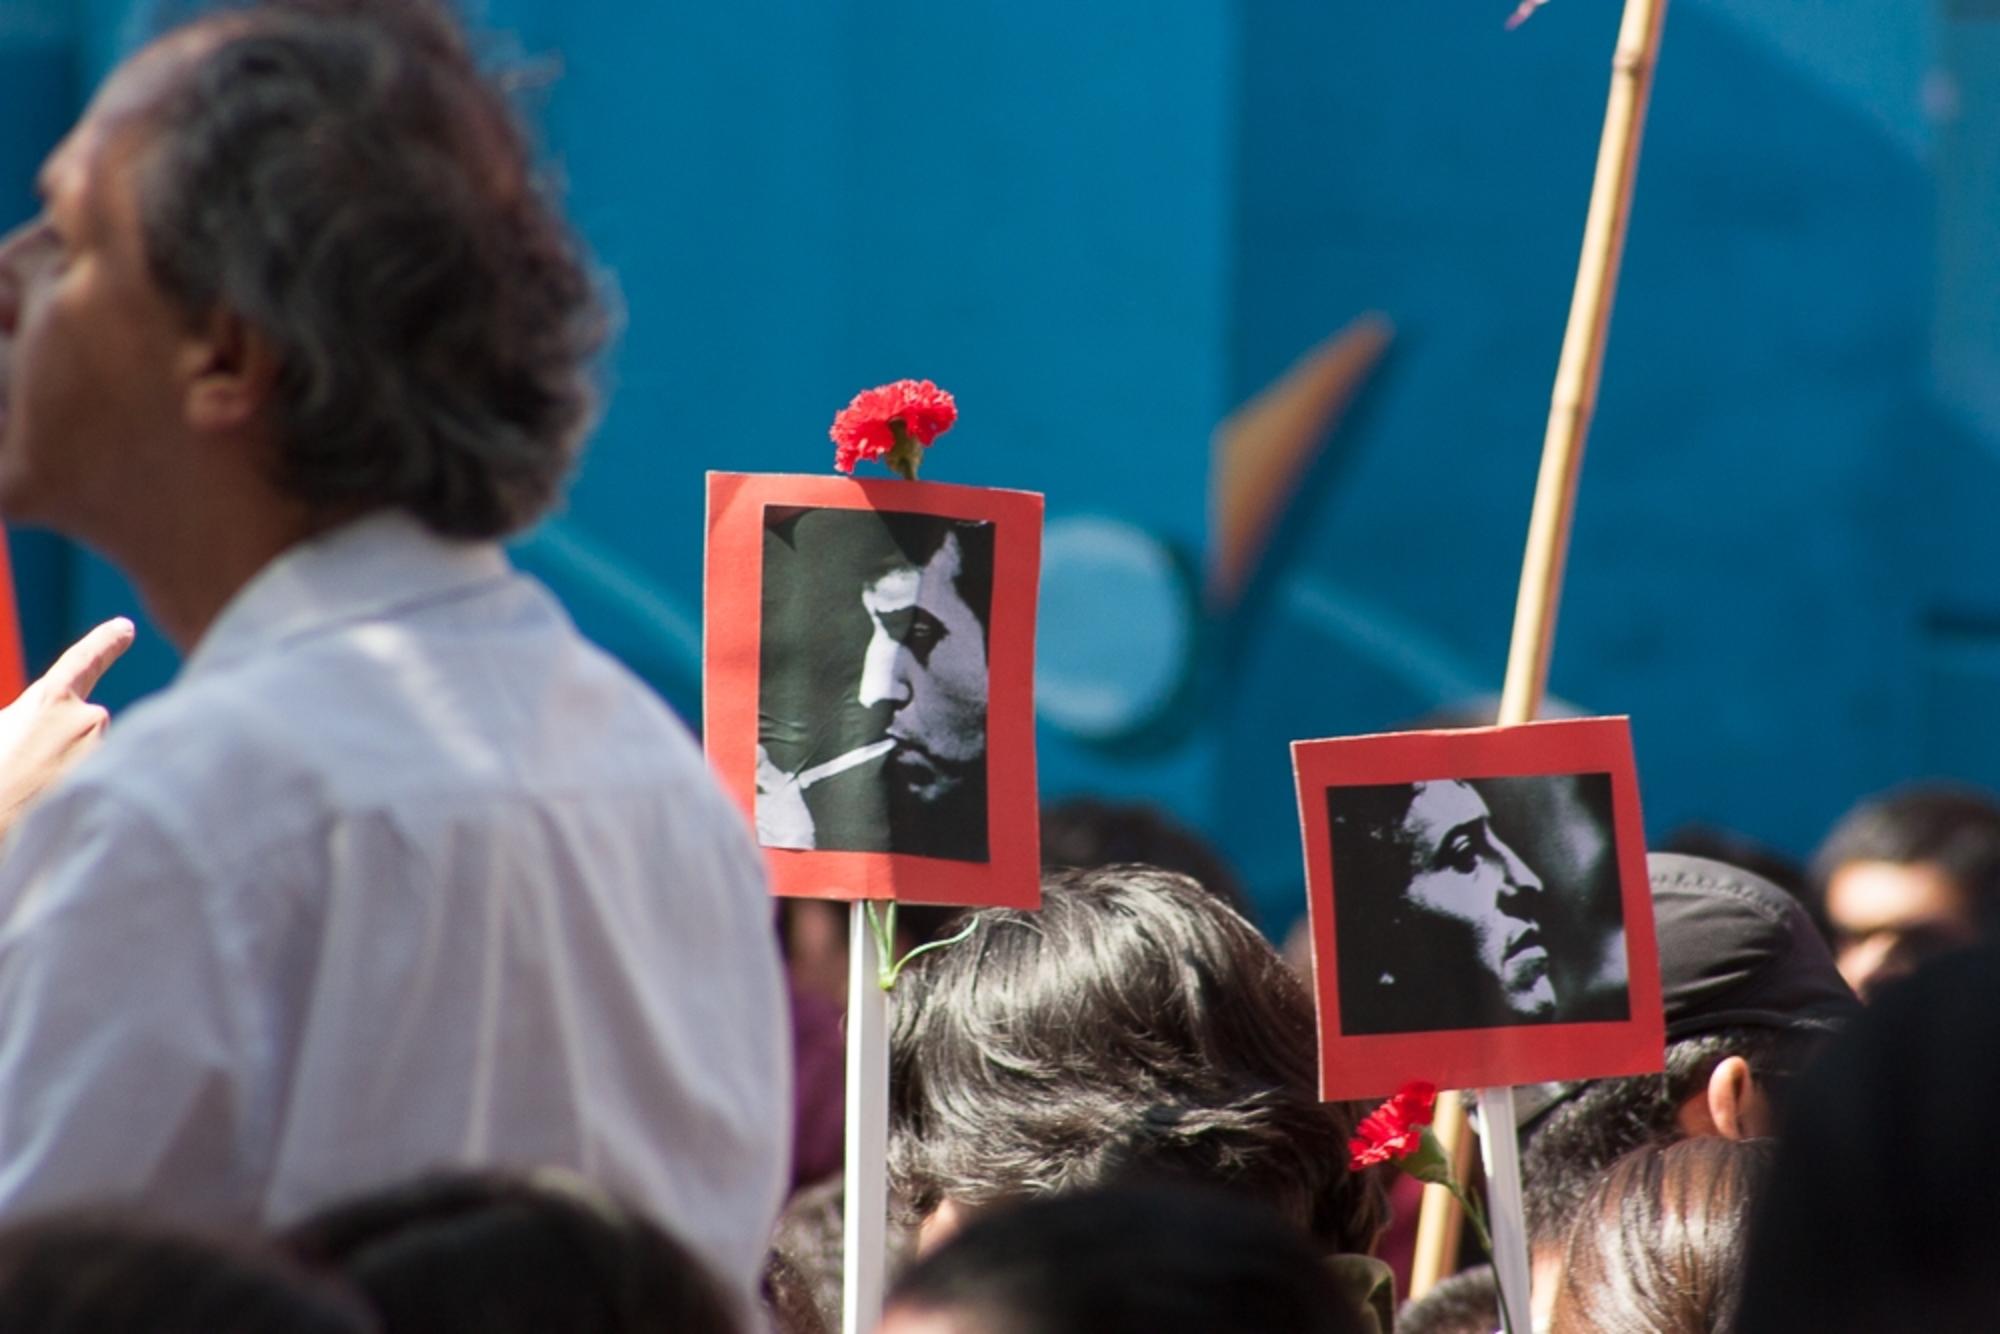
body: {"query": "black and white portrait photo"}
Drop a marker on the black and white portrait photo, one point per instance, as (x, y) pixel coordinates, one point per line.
(873, 676)
(1477, 903)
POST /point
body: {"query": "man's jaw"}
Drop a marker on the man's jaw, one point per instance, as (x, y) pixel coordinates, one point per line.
(1524, 970)
(923, 775)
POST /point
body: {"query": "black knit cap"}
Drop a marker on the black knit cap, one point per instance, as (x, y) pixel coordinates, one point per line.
(1736, 950)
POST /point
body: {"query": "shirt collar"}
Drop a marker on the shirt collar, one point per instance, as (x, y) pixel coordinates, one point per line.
(362, 570)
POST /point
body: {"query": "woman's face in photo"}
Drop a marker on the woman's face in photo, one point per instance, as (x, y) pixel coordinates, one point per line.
(1463, 872)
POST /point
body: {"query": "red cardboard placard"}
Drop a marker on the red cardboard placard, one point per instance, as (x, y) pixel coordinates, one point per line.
(877, 728)
(1479, 907)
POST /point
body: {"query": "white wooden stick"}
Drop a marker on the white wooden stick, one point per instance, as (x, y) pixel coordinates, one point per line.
(1500, 1150)
(866, 1213)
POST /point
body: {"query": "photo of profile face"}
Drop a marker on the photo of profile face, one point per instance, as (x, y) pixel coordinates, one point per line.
(1476, 903)
(1464, 872)
(873, 683)
(926, 665)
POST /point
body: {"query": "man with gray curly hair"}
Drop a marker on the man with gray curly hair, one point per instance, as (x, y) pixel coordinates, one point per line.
(400, 870)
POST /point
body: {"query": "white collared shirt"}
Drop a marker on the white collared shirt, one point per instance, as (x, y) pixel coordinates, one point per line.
(400, 872)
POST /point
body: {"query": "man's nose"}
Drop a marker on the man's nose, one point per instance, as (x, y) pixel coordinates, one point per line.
(1523, 885)
(12, 246)
(883, 678)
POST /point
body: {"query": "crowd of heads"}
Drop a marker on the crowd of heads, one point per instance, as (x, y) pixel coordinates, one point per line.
(1136, 1036)
(478, 1252)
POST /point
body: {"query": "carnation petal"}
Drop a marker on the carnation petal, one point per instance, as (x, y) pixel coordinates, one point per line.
(862, 430)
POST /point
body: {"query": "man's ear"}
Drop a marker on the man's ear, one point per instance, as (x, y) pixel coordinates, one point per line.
(1732, 1105)
(940, 1225)
(228, 370)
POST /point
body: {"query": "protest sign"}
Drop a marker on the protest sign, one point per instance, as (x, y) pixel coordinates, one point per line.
(868, 699)
(869, 679)
(1479, 907)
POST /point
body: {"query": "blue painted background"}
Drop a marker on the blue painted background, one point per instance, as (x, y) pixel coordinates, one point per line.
(1105, 226)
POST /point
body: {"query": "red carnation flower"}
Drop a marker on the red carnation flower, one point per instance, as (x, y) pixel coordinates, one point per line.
(1395, 1130)
(894, 423)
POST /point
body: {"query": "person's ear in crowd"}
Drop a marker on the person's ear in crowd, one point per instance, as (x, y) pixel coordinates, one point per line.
(1126, 1260)
(1133, 1027)
(104, 1273)
(491, 1253)
(1880, 1212)
(1658, 1246)
(1906, 876)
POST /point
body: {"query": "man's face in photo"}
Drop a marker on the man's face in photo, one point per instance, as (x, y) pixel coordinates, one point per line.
(1464, 873)
(926, 664)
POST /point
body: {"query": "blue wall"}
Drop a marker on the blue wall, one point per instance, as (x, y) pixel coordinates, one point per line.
(1105, 226)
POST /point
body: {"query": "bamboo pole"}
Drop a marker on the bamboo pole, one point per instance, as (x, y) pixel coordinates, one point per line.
(1570, 409)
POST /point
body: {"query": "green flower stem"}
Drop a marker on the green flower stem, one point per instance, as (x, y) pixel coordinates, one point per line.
(906, 455)
(883, 925)
(1429, 1163)
(1473, 1215)
(1477, 1217)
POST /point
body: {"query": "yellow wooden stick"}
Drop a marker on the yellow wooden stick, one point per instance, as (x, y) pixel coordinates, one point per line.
(1570, 410)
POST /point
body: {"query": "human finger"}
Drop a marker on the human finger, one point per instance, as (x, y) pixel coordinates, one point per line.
(84, 663)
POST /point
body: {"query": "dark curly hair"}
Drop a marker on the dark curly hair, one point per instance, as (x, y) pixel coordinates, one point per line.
(341, 176)
(1134, 1027)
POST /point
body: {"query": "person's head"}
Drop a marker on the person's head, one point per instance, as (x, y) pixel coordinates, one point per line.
(1133, 1027)
(1879, 1213)
(791, 1297)
(1089, 831)
(1908, 875)
(545, 1253)
(1719, 843)
(926, 659)
(1658, 1246)
(1467, 1302)
(294, 251)
(102, 1273)
(1428, 888)
(803, 1270)
(1150, 1259)
(1751, 993)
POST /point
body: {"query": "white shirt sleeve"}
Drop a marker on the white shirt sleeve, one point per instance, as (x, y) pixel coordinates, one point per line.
(117, 1047)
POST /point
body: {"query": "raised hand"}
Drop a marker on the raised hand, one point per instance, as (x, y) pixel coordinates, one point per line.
(53, 724)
